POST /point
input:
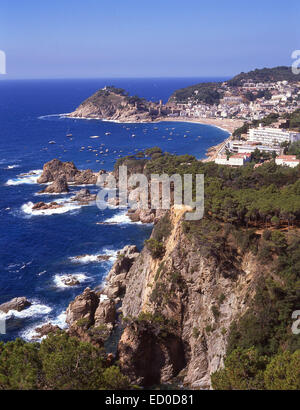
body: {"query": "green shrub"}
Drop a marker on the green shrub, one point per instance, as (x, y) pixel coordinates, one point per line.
(156, 248)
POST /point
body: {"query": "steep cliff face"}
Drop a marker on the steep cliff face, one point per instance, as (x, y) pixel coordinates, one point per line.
(196, 294)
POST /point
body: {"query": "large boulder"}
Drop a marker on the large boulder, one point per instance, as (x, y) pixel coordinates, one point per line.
(143, 215)
(85, 177)
(83, 307)
(60, 185)
(105, 313)
(18, 304)
(84, 196)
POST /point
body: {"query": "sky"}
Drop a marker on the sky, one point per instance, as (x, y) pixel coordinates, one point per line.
(138, 38)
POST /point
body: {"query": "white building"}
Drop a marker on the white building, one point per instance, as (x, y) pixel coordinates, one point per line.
(288, 160)
(242, 147)
(272, 136)
(235, 160)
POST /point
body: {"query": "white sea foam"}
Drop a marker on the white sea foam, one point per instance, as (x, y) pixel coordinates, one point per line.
(41, 117)
(35, 310)
(30, 333)
(59, 280)
(84, 259)
(29, 178)
(122, 218)
(65, 207)
(60, 320)
(119, 218)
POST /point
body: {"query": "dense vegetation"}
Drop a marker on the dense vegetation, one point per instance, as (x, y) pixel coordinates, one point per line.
(60, 362)
(262, 351)
(294, 149)
(280, 73)
(208, 93)
(292, 121)
(255, 210)
(113, 94)
(211, 93)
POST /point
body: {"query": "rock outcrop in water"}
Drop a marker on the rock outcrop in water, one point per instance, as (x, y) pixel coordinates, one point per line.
(84, 196)
(58, 186)
(45, 330)
(18, 304)
(42, 206)
(55, 170)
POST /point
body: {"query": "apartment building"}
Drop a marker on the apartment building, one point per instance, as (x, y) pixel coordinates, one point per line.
(272, 136)
(288, 160)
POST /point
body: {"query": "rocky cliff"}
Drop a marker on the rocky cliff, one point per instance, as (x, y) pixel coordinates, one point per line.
(180, 307)
(177, 304)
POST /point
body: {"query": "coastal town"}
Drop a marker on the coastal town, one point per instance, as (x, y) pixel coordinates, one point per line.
(248, 101)
(263, 108)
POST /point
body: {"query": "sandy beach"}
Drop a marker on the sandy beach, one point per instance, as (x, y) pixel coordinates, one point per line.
(226, 124)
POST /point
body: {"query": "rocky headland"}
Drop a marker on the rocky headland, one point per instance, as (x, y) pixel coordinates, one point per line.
(111, 103)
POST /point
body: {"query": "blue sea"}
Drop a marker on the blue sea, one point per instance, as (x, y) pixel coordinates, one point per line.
(37, 251)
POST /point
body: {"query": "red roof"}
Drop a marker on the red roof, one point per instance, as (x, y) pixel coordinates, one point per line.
(287, 157)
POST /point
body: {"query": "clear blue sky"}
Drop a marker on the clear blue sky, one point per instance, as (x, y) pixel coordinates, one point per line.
(139, 38)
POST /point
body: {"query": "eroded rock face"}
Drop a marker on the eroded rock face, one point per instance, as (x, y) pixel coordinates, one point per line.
(60, 185)
(202, 292)
(116, 279)
(83, 307)
(55, 168)
(18, 304)
(85, 177)
(91, 317)
(148, 356)
(105, 313)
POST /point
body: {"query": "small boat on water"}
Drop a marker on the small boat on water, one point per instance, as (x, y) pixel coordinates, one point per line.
(107, 133)
(68, 134)
(95, 136)
(52, 142)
